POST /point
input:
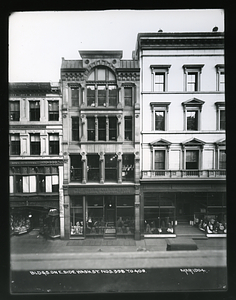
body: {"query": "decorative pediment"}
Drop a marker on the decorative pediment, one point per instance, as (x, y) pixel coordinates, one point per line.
(193, 142)
(160, 142)
(193, 102)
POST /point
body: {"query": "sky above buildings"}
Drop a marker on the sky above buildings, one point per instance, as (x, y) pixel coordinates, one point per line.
(39, 40)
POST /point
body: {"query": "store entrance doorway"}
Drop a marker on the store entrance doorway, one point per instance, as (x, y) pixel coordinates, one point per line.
(110, 211)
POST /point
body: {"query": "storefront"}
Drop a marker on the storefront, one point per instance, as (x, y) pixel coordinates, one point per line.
(162, 212)
(101, 212)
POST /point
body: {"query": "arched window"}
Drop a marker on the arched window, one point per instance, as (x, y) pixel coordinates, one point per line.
(101, 88)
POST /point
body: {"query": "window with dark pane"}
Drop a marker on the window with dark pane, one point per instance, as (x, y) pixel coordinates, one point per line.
(53, 110)
(90, 95)
(74, 96)
(91, 128)
(128, 96)
(14, 109)
(54, 143)
(112, 95)
(222, 159)
(15, 144)
(101, 128)
(41, 183)
(112, 128)
(160, 160)
(159, 120)
(128, 167)
(128, 128)
(111, 168)
(76, 167)
(192, 157)
(34, 110)
(35, 144)
(19, 184)
(75, 128)
(93, 168)
(192, 120)
(222, 120)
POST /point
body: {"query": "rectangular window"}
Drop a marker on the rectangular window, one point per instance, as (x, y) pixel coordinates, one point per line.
(55, 184)
(76, 216)
(222, 120)
(14, 110)
(222, 159)
(90, 95)
(101, 128)
(192, 81)
(75, 128)
(192, 159)
(53, 110)
(160, 160)
(128, 128)
(192, 120)
(159, 82)
(159, 120)
(222, 81)
(128, 167)
(15, 144)
(111, 168)
(75, 168)
(91, 128)
(128, 96)
(34, 111)
(93, 168)
(53, 144)
(74, 96)
(112, 128)
(19, 184)
(101, 95)
(112, 95)
(41, 184)
(35, 144)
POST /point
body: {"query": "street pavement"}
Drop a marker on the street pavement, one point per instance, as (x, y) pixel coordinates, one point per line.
(31, 252)
(111, 266)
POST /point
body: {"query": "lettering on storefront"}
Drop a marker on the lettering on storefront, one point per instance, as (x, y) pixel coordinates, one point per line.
(101, 191)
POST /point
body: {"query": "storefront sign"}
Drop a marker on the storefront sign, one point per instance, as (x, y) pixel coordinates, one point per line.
(101, 191)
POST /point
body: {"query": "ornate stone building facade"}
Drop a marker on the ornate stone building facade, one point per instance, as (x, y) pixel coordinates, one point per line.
(101, 117)
(36, 161)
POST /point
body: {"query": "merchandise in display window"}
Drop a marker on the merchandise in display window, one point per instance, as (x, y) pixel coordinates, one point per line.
(20, 223)
(211, 224)
(159, 216)
(76, 216)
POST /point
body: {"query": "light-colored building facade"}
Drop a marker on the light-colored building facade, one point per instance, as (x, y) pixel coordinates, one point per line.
(182, 130)
(101, 146)
(36, 161)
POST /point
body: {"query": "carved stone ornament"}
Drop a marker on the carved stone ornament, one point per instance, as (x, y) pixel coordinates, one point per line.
(101, 155)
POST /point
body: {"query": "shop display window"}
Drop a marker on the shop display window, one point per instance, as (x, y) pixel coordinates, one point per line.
(158, 216)
(20, 223)
(212, 218)
(125, 215)
(76, 216)
(95, 223)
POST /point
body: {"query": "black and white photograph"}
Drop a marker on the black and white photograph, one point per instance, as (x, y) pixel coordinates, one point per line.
(117, 152)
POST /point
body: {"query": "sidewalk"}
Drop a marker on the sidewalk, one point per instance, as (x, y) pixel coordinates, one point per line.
(30, 243)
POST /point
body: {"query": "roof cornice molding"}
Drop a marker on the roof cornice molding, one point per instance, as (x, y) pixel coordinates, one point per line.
(195, 40)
